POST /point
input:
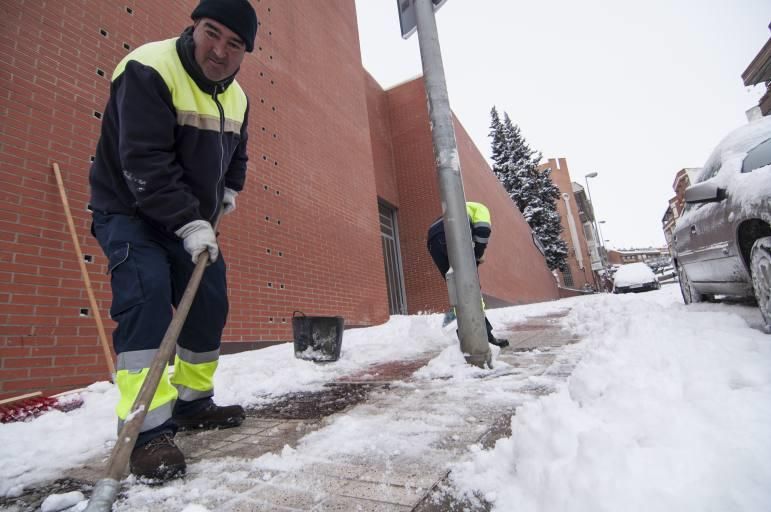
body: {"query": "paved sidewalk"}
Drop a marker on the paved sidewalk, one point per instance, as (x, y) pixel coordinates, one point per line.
(405, 480)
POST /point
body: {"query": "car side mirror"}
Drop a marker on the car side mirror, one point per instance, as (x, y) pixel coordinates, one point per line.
(705, 192)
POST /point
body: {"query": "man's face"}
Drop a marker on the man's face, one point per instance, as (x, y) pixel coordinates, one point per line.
(218, 50)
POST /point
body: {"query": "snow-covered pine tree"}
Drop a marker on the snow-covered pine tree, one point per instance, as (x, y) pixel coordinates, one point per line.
(555, 247)
(515, 165)
(500, 151)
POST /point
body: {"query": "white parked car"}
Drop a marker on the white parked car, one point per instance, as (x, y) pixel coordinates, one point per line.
(722, 241)
(635, 277)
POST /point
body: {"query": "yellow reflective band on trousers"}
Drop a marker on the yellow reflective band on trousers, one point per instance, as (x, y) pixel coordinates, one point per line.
(129, 383)
(484, 306)
(193, 380)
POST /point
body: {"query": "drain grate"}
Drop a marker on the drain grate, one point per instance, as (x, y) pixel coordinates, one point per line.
(318, 404)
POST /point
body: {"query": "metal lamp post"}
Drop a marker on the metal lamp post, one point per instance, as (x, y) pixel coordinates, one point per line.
(463, 280)
(589, 193)
(596, 226)
(599, 222)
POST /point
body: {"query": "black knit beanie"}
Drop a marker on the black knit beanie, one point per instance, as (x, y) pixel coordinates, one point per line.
(237, 15)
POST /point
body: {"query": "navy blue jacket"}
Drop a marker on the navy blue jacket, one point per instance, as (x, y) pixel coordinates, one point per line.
(171, 140)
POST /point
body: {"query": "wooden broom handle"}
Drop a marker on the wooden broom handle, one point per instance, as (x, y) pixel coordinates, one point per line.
(84, 272)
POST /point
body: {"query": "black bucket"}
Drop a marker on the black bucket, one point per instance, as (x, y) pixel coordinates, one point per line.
(317, 338)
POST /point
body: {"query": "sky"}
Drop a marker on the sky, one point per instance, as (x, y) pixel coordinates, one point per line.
(665, 408)
(634, 91)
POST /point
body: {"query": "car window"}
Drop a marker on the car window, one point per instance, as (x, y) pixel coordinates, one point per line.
(758, 157)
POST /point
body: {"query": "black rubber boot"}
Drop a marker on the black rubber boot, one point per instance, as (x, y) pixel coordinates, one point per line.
(492, 339)
(498, 342)
(158, 459)
(208, 416)
(449, 317)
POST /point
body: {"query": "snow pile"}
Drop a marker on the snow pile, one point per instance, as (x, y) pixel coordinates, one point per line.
(669, 410)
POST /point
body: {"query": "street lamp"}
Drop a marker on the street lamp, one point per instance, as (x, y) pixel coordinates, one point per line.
(600, 230)
(603, 251)
(589, 193)
(601, 248)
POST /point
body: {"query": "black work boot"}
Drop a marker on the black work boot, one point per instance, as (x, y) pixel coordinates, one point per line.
(207, 415)
(498, 342)
(158, 459)
(492, 339)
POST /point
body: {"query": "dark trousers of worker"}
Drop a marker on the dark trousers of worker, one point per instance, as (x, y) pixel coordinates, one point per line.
(437, 247)
(149, 272)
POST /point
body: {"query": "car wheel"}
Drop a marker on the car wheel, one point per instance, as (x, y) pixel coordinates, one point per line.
(690, 295)
(760, 266)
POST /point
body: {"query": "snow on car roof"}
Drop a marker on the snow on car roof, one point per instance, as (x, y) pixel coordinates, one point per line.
(749, 189)
(633, 273)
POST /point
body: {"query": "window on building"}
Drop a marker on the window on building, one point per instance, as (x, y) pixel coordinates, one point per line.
(588, 232)
(389, 236)
(567, 278)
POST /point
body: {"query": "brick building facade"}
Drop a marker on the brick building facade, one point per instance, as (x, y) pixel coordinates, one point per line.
(329, 149)
(579, 274)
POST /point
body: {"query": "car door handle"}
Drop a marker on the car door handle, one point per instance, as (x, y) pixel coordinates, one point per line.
(693, 230)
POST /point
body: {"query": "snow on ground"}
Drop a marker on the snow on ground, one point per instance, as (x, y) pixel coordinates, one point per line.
(667, 409)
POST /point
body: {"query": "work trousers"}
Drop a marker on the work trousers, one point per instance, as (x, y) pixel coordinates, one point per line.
(437, 247)
(149, 271)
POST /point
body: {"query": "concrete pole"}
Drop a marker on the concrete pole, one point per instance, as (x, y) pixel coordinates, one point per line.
(463, 280)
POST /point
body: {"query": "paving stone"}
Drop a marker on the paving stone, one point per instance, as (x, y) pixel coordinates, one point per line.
(514, 337)
(280, 430)
(348, 504)
(244, 450)
(284, 496)
(246, 505)
(310, 480)
(410, 475)
(340, 471)
(260, 423)
(381, 492)
(377, 482)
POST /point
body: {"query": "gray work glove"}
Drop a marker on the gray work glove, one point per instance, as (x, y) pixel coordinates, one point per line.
(229, 201)
(198, 236)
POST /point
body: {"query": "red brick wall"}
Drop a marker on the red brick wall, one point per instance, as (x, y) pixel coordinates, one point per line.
(325, 143)
(305, 235)
(514, 271)
(382, 149)
(561, 177)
